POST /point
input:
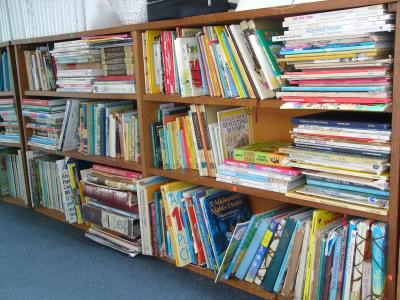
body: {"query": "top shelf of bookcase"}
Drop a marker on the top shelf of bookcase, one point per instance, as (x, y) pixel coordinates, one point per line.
(80, 95)
(219, 18)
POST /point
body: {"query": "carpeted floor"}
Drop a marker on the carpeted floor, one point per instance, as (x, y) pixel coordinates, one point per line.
(41, 258)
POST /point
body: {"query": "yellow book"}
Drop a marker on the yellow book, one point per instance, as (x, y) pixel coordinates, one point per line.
(236, 77)
(75, 190)
(333, 55)
(217, 85)
(190, 142)
(151, 37)
(174, 221)
(320, 219)
(174, 145)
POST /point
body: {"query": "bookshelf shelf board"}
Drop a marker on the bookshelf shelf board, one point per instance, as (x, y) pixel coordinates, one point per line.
(13, 200)
(80, 95)
(6, 94)
(111, 162)
(59, 216)
(4, 44)
(269, 103)
(17, 145)
(193, 177)
(240, 284)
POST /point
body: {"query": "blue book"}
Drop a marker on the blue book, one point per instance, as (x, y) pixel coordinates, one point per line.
(325, 49)
(231, 83)
(351, 235)
(221, 71)
(346, 119)
(203, 229)
(348, 187)
(276, 263)
(157, 210)
(332, 45)
(222, 211)
(180, 139)
(321, 270)
(45, 141)
(253, 177)
(336, 264)
(377, 154)
(333, 89)
(379, 245)
(7, 85)
(235, 67)
(252, 250)
(2, 79)
(186, 224)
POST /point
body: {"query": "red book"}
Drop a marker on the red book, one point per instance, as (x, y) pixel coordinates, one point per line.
(116, 78)
(43, 102)
(353, 100)
(6, 101)
(118, 199)
(167, 86)
(153, 229)
(117, 172)
(342, 81)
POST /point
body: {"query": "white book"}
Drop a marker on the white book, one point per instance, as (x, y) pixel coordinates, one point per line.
(366, 280)
(69, 139)
(21, 177)
(334, 35)
(362, 231)
(80, 73)
(266, 68)
(67, 195)
(299, 286)
(348, 269)
(214, 145)
(341, 22)
(350, 13)
(114, 89)
(335, 94)
(112, 136)
(30, 155)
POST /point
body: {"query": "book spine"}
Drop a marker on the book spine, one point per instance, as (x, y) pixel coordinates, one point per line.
(203, 171)
(349, 260)
(153, 229)
(379, 245)
(145, 227)
(274, 159)
(114, 89)
(118, 172)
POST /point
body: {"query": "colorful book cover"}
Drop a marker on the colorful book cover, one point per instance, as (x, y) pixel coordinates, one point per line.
(236, 128)
(223, 210)
(237, 236)
(349, 264)
(152, 36)
(261, 153)
(379, 245)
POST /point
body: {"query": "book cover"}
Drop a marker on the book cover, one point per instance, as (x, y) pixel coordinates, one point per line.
(261, 153)
(379, 265)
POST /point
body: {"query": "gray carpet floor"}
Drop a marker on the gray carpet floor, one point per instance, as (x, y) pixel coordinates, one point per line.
(41, 258)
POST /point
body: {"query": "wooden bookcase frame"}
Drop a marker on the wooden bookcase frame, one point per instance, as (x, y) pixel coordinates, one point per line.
(277, 121)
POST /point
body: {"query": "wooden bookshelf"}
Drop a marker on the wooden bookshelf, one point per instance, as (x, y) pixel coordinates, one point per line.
(55, 94)
(272, 123)
(13, 200)
(59, 216)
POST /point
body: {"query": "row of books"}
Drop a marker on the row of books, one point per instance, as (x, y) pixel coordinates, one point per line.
(9, 129)
(340, 59)
(286, 250)
(198, 137)
(11, 173)
(101, 64)
(233, 61)
(110, 206)
(109, 128)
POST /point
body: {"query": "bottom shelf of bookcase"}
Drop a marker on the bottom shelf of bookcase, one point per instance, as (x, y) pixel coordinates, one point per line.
(58, 216)
(239, 284)
(192, 176)
(14, 200)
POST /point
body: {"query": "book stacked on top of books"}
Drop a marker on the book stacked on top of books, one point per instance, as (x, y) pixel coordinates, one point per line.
(109, 128)
(5, 80)
(232, 61)
(40, 69)
(9, 130)
(45, 120)
(338, 60)
(118, 65)
(286, 250)
(345, 158)
(12, 174)
(111, 207)
(261, 166)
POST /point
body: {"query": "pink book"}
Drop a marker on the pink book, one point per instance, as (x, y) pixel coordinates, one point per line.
(278, 170)
(43, 102)
(341, 70)
(117, 172)
(353, 100)
(342, 81)
(6, 101)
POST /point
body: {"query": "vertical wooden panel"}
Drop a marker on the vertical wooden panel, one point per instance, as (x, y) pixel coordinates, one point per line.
(393, 234)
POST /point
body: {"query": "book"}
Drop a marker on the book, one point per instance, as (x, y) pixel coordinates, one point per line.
(262, 153)
(379, 245)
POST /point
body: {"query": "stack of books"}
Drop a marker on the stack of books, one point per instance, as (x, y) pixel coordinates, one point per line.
(118, 66)
(54, 183)
(346, 158)
(9, 130)
(40, 69)
(233, 61)
(260, 166)
(338, 60)
(199, 137)
(45, 120)
(5, 80)
(12, 174)
(109, 128)
(286, 250)
(111, 207)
